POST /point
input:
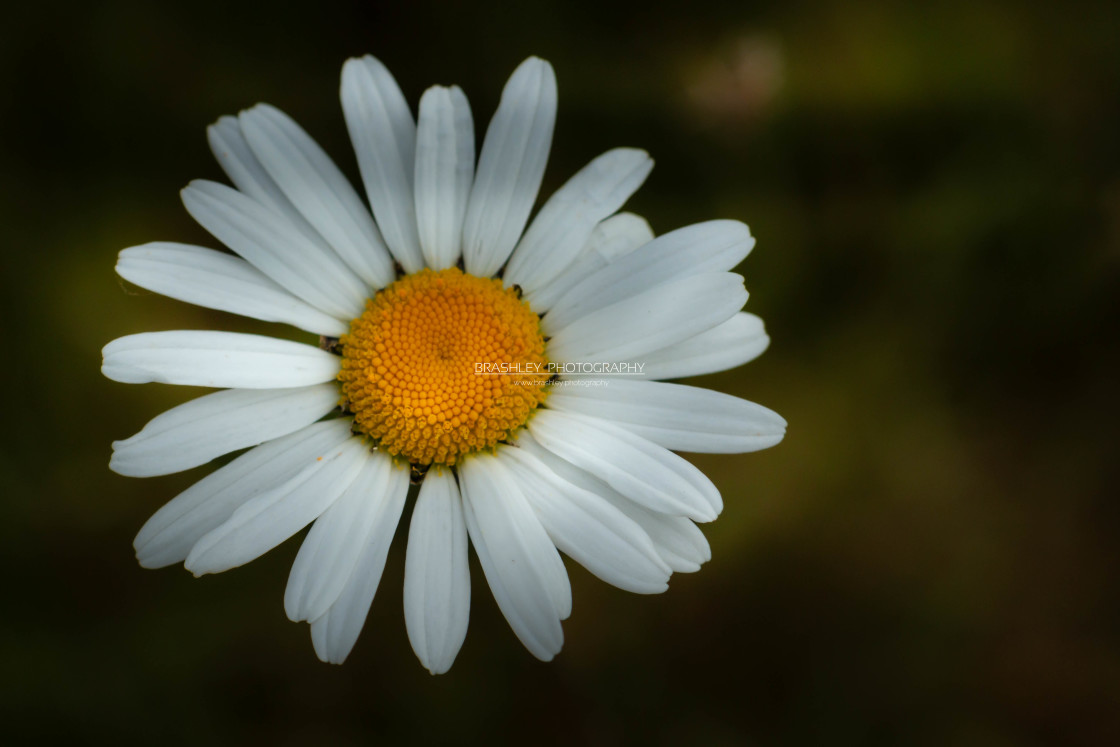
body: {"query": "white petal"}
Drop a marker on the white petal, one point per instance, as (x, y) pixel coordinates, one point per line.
(715, 246)
(172, 531)
(585, 526)
(510, 167)
(638, 469)
(335, 633)
(276, 247)
(269, 518)
(740, 339)
(220, 281)
(314, 185)
(678, 541)
(331, 551)
(682, 418)
(612, 238)
(444, 173)
(241, 165)
(521, 565)
(197, 431)
(384, 137)
(437, 583)
(657, 318)
(216, 359)
(566, 221)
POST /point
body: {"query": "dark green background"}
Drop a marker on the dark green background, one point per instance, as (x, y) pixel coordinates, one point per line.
(930, 556)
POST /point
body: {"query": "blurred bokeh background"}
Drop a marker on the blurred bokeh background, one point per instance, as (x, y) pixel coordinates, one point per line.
(929, 558)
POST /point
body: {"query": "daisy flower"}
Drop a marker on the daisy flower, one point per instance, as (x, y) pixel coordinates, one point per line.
(451, 342)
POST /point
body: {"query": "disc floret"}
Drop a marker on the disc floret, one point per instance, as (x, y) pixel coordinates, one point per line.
(442, 364)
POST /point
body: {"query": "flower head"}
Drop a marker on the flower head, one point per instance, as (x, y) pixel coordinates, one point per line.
(515, 373)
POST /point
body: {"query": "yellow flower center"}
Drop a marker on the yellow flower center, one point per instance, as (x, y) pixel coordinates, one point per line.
(443, 364)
